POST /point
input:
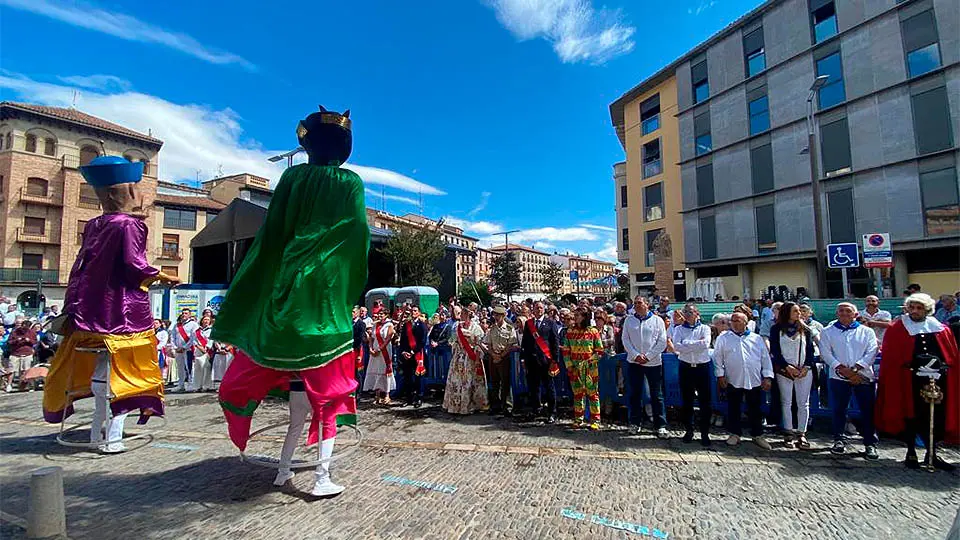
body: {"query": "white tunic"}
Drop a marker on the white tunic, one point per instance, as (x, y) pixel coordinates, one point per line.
(376, 377)
(648, 337)
(854, 346)
(692, 344)
(743, 359)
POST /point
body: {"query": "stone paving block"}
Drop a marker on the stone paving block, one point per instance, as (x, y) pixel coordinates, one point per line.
(500, 449)
(529, 450)
(460, 447)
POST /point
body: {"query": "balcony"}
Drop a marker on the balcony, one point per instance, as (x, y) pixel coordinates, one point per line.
(90, 204)
(28, 275)
(50, 198)
(36, 237)
(69, 162)
(170, 254)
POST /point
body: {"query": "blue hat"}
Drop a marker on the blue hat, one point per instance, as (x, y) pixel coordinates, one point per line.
(106, 171)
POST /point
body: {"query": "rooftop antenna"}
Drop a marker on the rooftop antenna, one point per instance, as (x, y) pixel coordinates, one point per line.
(102, 147)
(198, 177)
(383, 199)
(219, 170)
(74, 104)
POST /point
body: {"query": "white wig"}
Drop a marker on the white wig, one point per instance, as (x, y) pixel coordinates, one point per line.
(923, 299)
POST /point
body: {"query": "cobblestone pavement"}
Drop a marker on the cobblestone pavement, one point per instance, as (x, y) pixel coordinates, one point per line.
(512, 480)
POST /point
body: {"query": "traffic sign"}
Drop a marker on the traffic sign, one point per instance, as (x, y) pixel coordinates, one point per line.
(574, 275)
(843, 255)
(877, 251)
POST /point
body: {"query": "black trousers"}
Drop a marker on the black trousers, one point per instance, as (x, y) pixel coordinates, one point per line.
(411, 381)
(501, 391)
(735, 398)
(538, 376)
(695, 383)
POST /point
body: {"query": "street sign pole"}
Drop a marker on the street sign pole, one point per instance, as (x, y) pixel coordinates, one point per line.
(846, 284)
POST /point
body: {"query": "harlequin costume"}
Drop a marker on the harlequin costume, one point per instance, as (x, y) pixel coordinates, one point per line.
(107, 306)
(288, 310)
(582, 348)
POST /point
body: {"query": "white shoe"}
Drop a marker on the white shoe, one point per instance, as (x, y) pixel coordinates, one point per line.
(324, 487)
(733, 440)
(113, 448)
(283, 476)
(8, 389)
(662, 433)
(762, 443)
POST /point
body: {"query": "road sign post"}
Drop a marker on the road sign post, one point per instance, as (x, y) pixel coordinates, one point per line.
(843, 256)
(877, 254)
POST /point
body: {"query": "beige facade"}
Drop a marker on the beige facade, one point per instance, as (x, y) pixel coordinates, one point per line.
(180, 212)
(484, 267)
(44, 201)
(249, 187)
(587, 270)
(533, 263)
(647, 184)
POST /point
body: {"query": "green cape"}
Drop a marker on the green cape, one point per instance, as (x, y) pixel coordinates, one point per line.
(289, 306)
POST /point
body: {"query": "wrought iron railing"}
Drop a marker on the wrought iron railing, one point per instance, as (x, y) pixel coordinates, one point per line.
(29, 275)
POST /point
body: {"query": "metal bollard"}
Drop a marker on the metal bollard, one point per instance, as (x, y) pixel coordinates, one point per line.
(46, 516)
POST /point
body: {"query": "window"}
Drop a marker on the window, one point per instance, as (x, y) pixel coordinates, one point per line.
(824, 20)
(9, 144)
(88, 196)
(653, 202)
(146, 166)
(623, 196)
(172, 271)
(920, 43)
(31, 144)
(766, 229)
(833, 91)
(38, 187)
(759, 115)
(708, 237)
(211, 215)
(835, 147)
(170, 248)
(651, 237)
(49, 147)
(761, 168)
(34, 226)
(941, 204)
(651, 159)
(756, 59)
(31, 261)
(87, 153)
(698, 75)
(701, 133)
(931, 120)
(2, 137)
(650, 114)
(705, 194)
(840, 208)
(625, 238)
(81, 225)
(176, 218)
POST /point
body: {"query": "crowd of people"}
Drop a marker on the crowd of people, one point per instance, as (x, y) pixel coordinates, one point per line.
(189, 360)
(759, 347)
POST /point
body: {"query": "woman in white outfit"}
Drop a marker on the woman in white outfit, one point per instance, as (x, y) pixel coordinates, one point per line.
(791, 346)
(379, 374)
(202, 359)
(222, 355)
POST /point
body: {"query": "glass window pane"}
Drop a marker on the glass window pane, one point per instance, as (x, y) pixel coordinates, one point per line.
(924, 60)
(625, 238)
(840, 208)
(701, 92)
(708, 237)
(705, 190)
(651, 124)
(623, 196)
(835, 146)
(704, 144)
(931, 117)
(758, 106)
(832, 94)
(760, 122)
(766, 228)
(761, 168)
(939, 188)
(756, 63)
(830, 65)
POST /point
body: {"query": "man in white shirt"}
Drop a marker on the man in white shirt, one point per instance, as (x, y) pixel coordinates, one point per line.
(849, 349)
(691, 341)
(744, 369)
(10, 316)
(875, 318)
(645, 339)
(182, 338)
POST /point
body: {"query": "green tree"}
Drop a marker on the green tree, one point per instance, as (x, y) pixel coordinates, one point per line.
(506, 274)
(551, 277)
(415, 251)
(475, 291)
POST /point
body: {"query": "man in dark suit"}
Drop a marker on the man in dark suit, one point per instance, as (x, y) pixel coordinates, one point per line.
(539, 350)
(413, 340)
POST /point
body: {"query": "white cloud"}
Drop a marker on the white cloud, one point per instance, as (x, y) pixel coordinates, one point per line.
(98, 82)
(484, 198)
(194, 136)
(607, 253)
(702, 6)
(374, 197)
(552, 234)
(598, 227)
(485, 228)
(126, 27)
(577, 31)
(543, 245)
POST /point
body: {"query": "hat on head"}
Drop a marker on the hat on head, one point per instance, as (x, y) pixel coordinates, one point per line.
(105, 171)
(499, 310)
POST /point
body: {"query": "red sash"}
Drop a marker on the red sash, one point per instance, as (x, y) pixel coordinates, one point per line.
(201, 341)
(554, 368)
(471, 352)
(420, 370)
(183, 333)
(383, 349)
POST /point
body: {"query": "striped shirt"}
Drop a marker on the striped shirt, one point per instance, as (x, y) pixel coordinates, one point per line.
(581, 344)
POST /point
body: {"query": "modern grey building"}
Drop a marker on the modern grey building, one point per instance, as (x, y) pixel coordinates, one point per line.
(887, 126)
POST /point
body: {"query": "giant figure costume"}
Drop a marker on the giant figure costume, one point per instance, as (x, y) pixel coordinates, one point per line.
(107, 306)
(288, 310)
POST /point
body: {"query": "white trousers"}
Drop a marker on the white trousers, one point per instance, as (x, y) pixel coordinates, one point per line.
(299, 411)
(101, 403)
(202, 372)
(183, 374)
(220, 364)
(802, 388)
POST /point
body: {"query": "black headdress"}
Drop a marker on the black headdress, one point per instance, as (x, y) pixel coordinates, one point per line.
(327, 136)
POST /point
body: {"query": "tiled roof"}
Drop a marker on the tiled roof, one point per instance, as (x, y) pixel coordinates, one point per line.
(190, 202)
(73, 115)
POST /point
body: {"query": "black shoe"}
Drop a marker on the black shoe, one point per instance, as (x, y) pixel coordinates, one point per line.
(494, 412)
(870, 453)
(688, 437)
(551, 419)
(837, 448)
(417, 404)
(508, 414)
(911, 462)
(705, 440)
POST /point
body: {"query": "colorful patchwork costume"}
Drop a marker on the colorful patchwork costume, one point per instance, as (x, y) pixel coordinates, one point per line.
(288, 310)
(582, 348)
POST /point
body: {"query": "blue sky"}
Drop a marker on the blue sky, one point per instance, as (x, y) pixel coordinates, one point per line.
(496, 111)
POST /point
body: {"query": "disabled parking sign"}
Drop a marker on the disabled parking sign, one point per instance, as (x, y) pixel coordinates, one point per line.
(843, 255)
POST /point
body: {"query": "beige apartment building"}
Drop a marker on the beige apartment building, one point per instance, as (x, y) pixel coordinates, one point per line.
(180, 212)
(246, 186)
(648, 194)
(484, 267)
(533, 262)
(44, 201)
(587, 270)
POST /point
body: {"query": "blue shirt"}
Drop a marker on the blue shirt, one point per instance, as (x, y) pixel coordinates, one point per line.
(766, 321)
(943, 315)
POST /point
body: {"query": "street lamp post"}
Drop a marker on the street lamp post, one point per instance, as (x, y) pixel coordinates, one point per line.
(289, 155)
(815, 184)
